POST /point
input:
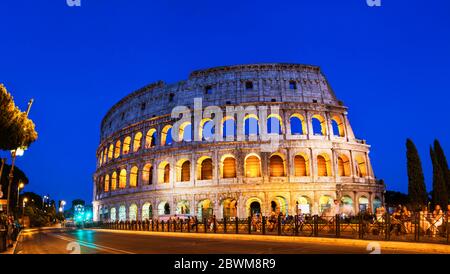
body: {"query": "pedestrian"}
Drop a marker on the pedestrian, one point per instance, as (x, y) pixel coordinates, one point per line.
(437, 221)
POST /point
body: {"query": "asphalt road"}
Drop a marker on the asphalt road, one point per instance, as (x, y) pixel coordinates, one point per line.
(60, 241)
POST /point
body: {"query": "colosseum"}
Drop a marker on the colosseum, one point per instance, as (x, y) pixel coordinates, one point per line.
(252, 139)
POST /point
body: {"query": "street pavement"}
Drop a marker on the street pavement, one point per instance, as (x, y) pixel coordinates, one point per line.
(93, 241)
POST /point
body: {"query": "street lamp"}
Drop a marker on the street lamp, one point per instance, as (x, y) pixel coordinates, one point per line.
(25, 200)
(19, 187)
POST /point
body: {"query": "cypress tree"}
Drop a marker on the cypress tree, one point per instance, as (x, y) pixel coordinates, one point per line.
(439, 194)
(417, 192)
(442, 161)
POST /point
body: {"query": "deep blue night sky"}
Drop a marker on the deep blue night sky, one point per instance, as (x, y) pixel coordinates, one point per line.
(390, 65)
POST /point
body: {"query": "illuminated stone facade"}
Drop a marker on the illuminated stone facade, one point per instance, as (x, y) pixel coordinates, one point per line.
(142, 173)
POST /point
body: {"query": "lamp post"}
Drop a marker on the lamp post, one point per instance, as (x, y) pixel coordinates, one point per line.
(25, 200)
(19, 187)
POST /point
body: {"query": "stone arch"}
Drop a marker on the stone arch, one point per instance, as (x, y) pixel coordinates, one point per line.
(361, 166)
(229, 208)
(229, 127)
(343, 166)
(183, 170)
(323, 165)
(274, 124)
(204, 168)
(107, 182)
(205, 209)
(228, 166)
(134, 176)
(347, 205)
(117, 149)
(298, 124)
(277, 165)
(253, 206)
(252, 167)
(114, 180)
(166, 135)
(251, 125)
(126, 145)
(183, 207)
(147, 211)
(112, 214)
(110, 152)
(319, 125)
(301, 165)
(185, 132)
(206, 129)
(147, 174)
(304, 204)
(164, 172)
(122, 213)
(163, 208)
(123, 178)
(137, 142)
(325, 202)
(279, 204)
(132, 212)
(337, 125)
(150, 138)
(363, 203)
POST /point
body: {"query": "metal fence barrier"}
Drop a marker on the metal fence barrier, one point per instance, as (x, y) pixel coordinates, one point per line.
(418, 227)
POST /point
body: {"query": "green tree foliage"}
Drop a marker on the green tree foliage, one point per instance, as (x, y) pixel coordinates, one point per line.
(442, 161)
(439, 194)
(16, 130)
(19, 177)
(417, 192)
(395, 198)
(40, 214)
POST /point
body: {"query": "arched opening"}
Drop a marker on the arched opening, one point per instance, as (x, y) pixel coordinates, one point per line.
(110, 151)
(228, 127)
(137, 141)
(126, 145)
(132, 214)
(205, 209)
(279, 205)
(229, 167)
(147, 174)
(252, 166)
(150, 138)
(251, 126)
(254, 208)
(276, 166)
(304, 205)
(205, 168)
(361, 167)
(185, 133)
(274, 124)
(298, 124)
(229, 208)
(319, 125)
(376, 204)
(347, 205)
(147, 211)
(163, 208)
(122, 213)
(301, 165)
(166, 135)
(164, 172)
(343, 166)
(323, 165)
(123, 178)
(117, 149)
(363, 203)
(207, 129)
(105, 155)
(106, 183)
(325, 203)
(114, 181)
(113, 216)
(338, 126)
(183, 207)
(184, 170)
(133, 176)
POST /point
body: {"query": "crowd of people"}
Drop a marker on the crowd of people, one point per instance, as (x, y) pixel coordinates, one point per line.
(12, 227)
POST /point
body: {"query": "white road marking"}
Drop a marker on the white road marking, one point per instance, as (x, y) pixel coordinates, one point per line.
(91, 245)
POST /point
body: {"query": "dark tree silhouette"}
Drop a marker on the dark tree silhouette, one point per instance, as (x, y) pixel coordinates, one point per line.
(439, 193)
(417, 192)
